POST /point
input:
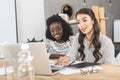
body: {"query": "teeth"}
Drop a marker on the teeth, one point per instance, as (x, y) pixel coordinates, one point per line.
(56, 35)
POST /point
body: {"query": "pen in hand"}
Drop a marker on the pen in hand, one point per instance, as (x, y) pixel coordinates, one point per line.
(70, 63)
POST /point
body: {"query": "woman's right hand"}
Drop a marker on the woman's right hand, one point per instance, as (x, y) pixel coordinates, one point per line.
(63, 61)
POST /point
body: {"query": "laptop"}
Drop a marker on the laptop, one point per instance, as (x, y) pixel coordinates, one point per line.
(40, 57)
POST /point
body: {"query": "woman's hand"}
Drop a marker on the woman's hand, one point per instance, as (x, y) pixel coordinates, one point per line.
(63, 61)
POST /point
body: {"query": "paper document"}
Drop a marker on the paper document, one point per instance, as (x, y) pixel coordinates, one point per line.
(68, 70)
(80, 68)
(53, 66)
(7, 70)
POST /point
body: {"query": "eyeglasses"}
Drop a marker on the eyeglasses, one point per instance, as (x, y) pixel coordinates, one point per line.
(90, 69)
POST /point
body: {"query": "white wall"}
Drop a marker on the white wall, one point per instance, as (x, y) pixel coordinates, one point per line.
(116, 31)
(7, 21)
(30, 19)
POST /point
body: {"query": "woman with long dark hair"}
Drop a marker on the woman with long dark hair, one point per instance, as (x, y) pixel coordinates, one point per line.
(59, 36)
(90, 44)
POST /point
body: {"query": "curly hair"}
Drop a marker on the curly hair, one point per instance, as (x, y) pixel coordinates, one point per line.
(95, 37)
(67, 30)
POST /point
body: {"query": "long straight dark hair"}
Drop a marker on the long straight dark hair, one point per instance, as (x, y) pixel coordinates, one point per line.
(95, 37)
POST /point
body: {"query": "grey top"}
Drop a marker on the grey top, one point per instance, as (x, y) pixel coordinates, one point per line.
(107, 50)
(54, 47)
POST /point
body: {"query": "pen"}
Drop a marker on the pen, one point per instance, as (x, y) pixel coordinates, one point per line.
(71, 62)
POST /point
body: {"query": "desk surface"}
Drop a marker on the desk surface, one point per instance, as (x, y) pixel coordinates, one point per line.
(109, 72)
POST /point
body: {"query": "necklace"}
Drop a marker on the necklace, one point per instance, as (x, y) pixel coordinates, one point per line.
(88, 39)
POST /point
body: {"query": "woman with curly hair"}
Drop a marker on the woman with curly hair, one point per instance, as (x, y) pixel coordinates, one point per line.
(59, 36)
(89, 44)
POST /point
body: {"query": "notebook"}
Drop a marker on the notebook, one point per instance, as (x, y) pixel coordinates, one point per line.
(40, 56)
(83, 65)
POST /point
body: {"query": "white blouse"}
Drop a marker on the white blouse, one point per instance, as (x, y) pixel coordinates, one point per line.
(54, 47)
(107, 50)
